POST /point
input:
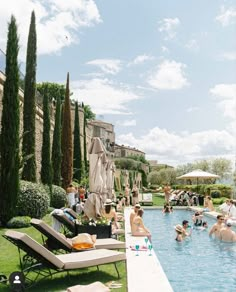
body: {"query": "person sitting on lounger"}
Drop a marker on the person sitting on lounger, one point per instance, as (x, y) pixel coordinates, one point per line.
(138, 227)
(110, 213)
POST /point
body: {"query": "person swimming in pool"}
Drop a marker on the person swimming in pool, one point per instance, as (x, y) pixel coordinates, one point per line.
(179, 231)
(216, 228)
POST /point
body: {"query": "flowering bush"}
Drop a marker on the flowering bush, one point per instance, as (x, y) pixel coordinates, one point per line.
(82, 220)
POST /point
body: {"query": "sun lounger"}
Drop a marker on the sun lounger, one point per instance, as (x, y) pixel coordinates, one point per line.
(44, 263)
(56, 241)
(146, 199)
(67, 223)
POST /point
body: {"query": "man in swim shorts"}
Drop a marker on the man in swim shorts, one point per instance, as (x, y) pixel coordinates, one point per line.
(216, 228)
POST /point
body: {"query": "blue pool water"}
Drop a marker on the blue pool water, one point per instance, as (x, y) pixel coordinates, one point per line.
(197, 264)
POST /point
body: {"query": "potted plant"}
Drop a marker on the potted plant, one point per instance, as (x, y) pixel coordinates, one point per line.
(100, 226)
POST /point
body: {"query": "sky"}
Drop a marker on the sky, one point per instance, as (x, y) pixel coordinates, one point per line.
(162, 72)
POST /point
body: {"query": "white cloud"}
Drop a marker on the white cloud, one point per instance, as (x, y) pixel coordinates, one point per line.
(141, 59)
(230, 56)
(226, 98)
(104, 96)
(126, 123)
(169, 147)
(169, 26)
(164, 49)
(109, 66)
(57, 22)
(226, 16)
(192, 45)
(169, 75)
(192, 109)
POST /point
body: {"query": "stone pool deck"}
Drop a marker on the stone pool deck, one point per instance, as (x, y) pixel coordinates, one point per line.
(144, 272)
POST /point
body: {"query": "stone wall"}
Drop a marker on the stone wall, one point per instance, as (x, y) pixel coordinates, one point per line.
(39, 123)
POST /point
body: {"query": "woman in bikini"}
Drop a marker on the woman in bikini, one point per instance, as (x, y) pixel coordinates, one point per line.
(138, 228)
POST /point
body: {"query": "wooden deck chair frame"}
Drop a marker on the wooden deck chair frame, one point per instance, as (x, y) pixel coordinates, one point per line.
(62, 243)
(42, 263)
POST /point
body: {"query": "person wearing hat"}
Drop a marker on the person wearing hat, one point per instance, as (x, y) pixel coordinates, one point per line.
(110, 213)
(179, 231)
(226, 233)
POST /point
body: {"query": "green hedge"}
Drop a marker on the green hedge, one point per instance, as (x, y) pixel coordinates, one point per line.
(223, 190)
(33, 200)
(19, 222)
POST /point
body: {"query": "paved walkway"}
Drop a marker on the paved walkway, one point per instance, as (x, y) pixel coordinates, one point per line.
(144, 272)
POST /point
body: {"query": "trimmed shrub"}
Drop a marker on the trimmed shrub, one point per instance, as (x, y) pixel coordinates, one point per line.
(33, 200)
(215, 194)
(58, 197)
(19, 222)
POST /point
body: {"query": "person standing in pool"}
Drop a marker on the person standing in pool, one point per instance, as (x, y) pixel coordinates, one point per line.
(226, 233)
(216, 228)
(185, 227)
(179, 231)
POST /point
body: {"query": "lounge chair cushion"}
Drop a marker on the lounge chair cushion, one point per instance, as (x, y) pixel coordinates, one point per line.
(109, 243)
(40, 225)
(94, 287)
(44, 228)
(90, 258)
(38, 248)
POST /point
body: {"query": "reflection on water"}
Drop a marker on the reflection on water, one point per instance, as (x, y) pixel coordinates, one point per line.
(197, 264)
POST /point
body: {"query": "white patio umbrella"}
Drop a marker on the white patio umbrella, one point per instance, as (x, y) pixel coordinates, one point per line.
(110, 178)
(93, 205)
(96, 152)
(198, 174)
(104, 175)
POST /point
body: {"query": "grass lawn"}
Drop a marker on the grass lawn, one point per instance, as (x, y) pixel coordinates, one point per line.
(9, 262)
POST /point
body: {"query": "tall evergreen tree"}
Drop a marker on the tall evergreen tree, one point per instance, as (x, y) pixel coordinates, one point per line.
(28, 147)
(46, 167)
(9, 143)
(56, 145)
(66, 141)
(77, 147)
(85, 144)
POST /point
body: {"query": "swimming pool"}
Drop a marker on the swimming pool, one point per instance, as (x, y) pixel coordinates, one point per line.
(199, 264)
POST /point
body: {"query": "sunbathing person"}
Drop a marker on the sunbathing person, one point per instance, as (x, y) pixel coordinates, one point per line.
(133, 213)
(138, 227)
(110, 213)
(208, 204)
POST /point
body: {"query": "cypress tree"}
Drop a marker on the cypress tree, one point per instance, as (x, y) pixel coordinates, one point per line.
(77, 147)
(85, 144)
(46, 167)
(66, 145)
(28, 147)
(56, 146)
(9, 143)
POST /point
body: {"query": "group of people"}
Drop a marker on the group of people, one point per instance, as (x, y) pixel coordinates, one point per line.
(75, 195)
(221, 230)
